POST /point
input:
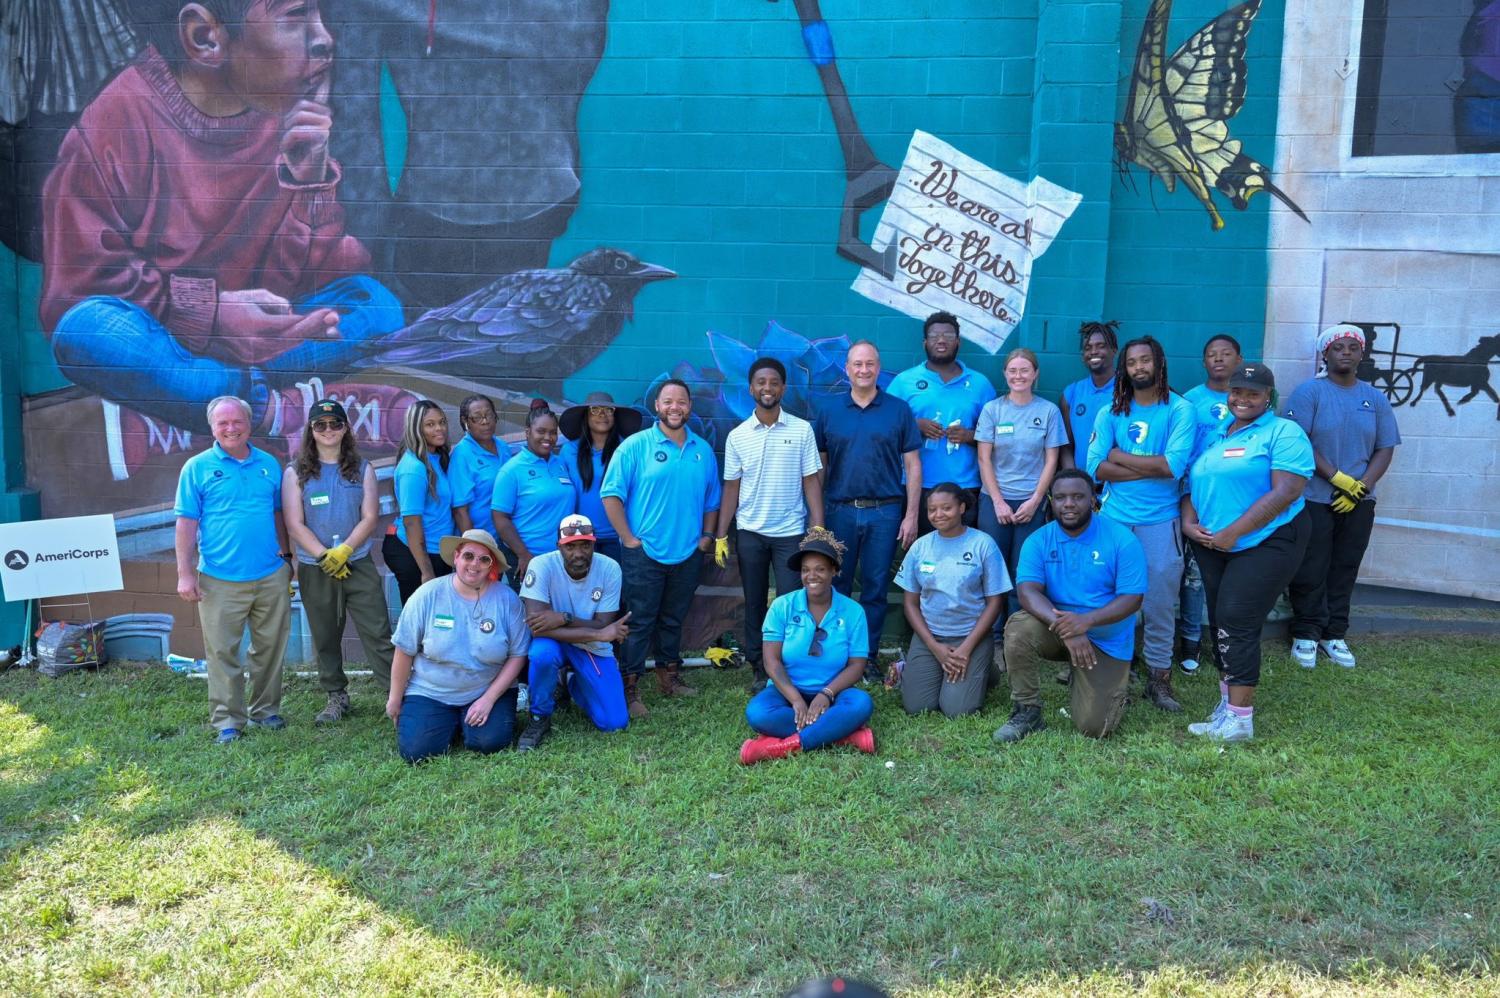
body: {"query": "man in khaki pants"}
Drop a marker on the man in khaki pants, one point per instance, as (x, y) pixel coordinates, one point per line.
(231, 561)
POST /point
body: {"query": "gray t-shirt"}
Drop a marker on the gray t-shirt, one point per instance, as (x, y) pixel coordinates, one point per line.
(547, 581)
(1346, 426)
(1021, 435)
(953, 576)
(458, 645)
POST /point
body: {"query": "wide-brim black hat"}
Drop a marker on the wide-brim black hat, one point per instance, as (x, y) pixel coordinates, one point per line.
(575, 417)
(815, 546)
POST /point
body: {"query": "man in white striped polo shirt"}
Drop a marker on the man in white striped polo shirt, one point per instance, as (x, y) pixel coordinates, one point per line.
(772, 492)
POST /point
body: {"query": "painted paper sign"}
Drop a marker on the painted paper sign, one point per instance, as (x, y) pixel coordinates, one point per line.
(60, 557)
(965, 236)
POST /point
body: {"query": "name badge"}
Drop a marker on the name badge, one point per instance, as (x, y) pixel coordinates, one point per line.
(927, 567)
(1004, 429)
(318, 499)
(1234, 452)
(443, 622)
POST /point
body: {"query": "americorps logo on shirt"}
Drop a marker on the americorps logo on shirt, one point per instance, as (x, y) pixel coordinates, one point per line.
(661, 455)
(1079, 409)
(921, 386)
(596, 595)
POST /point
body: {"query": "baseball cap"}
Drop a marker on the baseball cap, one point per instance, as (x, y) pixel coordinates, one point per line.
(575, 527)
(1253, 376)
(328, 407)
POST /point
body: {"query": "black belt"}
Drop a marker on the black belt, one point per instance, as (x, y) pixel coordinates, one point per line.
(871, 503)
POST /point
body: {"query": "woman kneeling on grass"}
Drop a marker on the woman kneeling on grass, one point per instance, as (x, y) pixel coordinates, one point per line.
(461, 643)
(816, 646)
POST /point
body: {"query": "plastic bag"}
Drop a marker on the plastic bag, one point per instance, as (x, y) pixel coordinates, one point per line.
(64, 646)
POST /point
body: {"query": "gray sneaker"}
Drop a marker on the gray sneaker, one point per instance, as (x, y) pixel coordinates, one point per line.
(1232, 728)
(335, 709)
(1338, 650)
(1024, 719)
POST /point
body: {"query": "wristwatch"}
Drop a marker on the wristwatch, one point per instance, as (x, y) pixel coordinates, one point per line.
(567, 619)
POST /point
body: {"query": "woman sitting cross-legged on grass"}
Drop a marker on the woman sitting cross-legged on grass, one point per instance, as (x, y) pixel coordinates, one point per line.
(816, 646)
(461, 643)
(955, 581)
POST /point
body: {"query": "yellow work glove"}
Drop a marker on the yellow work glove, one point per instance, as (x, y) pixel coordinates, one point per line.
(1350, 485)
(1343, 503)
(721, 551)
(335, 561)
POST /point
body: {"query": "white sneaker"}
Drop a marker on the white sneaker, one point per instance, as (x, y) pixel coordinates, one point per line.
(1338, 650)
(1232, 728)
(1204, 727)
(1305, 652)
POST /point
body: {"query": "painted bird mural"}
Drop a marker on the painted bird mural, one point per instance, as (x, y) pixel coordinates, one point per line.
(1176, 121)
(528, 325)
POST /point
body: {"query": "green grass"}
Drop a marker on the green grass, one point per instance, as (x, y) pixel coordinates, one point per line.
(1353, 848)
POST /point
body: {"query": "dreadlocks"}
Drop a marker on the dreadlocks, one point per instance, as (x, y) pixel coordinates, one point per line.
(1124, 391)
(1104, 329)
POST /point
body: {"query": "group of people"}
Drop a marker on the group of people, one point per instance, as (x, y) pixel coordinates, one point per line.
(1032, 533)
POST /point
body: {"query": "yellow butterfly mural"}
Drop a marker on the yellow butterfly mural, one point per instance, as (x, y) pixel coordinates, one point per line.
(1177, 113)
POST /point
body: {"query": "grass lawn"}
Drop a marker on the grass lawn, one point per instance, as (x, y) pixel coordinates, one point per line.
(1353, 848)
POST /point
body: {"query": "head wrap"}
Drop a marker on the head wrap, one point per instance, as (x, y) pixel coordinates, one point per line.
(1343, 330)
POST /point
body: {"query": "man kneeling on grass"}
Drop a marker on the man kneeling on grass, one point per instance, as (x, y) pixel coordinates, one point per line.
(1080, 580)
(572, 598)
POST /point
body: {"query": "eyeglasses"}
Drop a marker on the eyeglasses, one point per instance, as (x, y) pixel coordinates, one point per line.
(483, 559)
(601, 410)
(945, 334)
(327, 425)
(575, 530)
(483, 419)
(815, 647)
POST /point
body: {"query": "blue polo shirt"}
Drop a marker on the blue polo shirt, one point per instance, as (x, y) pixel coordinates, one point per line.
(414, 499)
(1209, 409)
(536, 494)
(1083, 573)
(1234, 471)
(1162, 429)
(865, 446)
(235, 503)
(945, 403)
(666, 490)
(589, 502)
(471, 474)
(790, 622)
(1081, 403)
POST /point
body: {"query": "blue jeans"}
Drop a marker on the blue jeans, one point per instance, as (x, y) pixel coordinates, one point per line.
(659, 597)
(120, 351)
(769, 713)
(427, 728)
(594, 685)
(1009, 537)
(1191, 606)
(871, 536)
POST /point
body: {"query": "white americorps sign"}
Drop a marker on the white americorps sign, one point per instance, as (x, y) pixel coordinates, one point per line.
(62, 557)
(965, 236)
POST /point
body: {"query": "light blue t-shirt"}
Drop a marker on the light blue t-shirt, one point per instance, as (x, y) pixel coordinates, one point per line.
(536, 494)
(471, 474)
(413, 498)
(1346, 425)
(1083, 573)
(1234, 471)
(547, 581)
(1209, 410)
(588, 501)
(790, 622)
(1082, 402)
(666, 491)
(1162, 429)
(235, 503)
(945, 403)
(953, 576)
(458, 645)
(1020, 436)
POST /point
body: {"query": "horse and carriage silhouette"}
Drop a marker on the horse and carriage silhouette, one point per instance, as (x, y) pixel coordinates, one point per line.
(1395, 373)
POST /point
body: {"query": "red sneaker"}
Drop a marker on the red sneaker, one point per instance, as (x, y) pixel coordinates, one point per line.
(862, 738)
(766, 747)
(131, 439)
(377, 413)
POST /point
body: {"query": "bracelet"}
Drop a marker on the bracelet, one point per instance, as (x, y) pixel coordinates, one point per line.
(829, 694)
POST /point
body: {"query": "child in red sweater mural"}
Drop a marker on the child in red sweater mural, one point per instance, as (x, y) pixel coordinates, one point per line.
(195, 246)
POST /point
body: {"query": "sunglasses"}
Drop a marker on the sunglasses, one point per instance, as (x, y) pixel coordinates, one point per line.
(576, 530)
(601, 410)
(815, 647)
(483, 559)
(327, 425)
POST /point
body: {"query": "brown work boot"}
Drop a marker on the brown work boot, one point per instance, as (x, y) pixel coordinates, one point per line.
(633, 702)
(1159, 691)
(334, 710)
(670, 683)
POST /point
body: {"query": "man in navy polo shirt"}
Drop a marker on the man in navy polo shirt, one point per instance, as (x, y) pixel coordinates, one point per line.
(661, 491)
(867, 439)
(232, 561)
(945, 396)
(1080, 581)
(1082, 400)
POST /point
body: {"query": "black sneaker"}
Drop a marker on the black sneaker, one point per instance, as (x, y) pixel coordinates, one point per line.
(1024, 719)
(532, 737)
